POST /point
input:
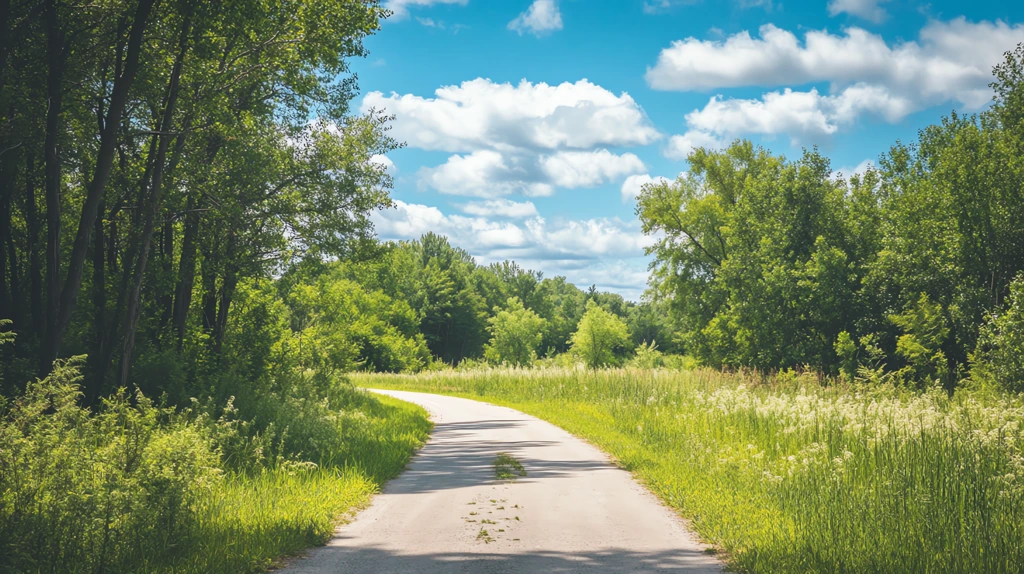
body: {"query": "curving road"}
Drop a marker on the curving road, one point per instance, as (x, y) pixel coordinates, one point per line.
(573, 512)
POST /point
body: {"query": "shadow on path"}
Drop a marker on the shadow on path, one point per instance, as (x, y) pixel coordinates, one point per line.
(371, 560)
(456, 457)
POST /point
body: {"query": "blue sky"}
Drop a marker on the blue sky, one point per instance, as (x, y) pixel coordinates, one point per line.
(529, 124)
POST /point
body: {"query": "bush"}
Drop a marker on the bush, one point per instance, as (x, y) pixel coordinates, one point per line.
(516, 332)
(601, 338)
(647, 356)
(999, 358)
(90, 493)
(137, 487)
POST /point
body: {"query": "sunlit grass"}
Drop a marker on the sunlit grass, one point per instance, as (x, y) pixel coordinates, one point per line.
(793, 476)
(134, 488)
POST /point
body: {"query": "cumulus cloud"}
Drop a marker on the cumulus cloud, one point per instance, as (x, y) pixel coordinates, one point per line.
(681, 146)
(950, 61)
(859, 169)
(540, 18)
(804, 116)
(535, 238)
(479, 114)
(866, 9)
(571, 169)
(500, 208)
(401, 7)
(488, 173)
(607, 252)
(523, 139)
(385, 162)
(634, 184)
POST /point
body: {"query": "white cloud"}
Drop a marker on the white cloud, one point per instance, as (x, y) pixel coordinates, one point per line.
(634, 184)
(540, 18)
(866, 9)
(860, 169)
(401, 7)
(488, 173)
(571, 169)
(681, 146)
(385, 162)
(535, 238)
(480, 114)
(500, 208)
(804, 116)
(949, 61)
(523, 139)
(607, 252)
(485, 173)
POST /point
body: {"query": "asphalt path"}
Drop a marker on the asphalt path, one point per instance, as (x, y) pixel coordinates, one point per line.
(574, 511)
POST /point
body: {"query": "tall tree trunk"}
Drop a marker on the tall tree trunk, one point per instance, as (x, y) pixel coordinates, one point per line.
(12, 264)
(55, 54)
(32, 247)
(209, 302)
(166, 264)
(101, 175)
(227, 292)
(97, 367)
(189, 245)
(186, 269)
(9, 177)
(6, 180)
(153, 204)
(6, 304)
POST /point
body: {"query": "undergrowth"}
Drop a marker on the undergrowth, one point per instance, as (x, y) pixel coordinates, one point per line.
(139, 487)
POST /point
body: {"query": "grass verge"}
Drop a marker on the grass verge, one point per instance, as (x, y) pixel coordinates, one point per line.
(136, 487)
(793, 476)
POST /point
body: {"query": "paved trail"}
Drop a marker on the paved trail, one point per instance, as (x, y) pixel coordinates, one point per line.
(573, 512)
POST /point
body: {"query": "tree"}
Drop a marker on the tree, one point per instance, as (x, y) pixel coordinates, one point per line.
(601, 338)
(516, 332)
(753, 257)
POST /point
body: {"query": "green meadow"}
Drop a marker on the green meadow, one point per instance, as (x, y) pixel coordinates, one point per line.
(787, 474)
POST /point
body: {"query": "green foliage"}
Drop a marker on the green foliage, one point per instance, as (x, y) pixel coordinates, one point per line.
(349, 326)
(752, 256)
(920, 346)
(846, 351)
(87, 493)
(772, 263)
(601, 338)
(647, 356)
(999, 359)
(516, 332)
(788, 475)
(137, 487)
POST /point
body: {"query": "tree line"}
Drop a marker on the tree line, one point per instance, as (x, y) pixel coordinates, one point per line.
(908, 272)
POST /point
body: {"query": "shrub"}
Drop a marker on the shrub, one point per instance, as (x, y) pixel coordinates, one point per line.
(647, 356)
(999, 358)
(91, 493)
(516, 332)
(601, 338)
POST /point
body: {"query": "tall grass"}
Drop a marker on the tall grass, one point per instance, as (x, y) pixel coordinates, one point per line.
(136, 487)
(790, 475)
